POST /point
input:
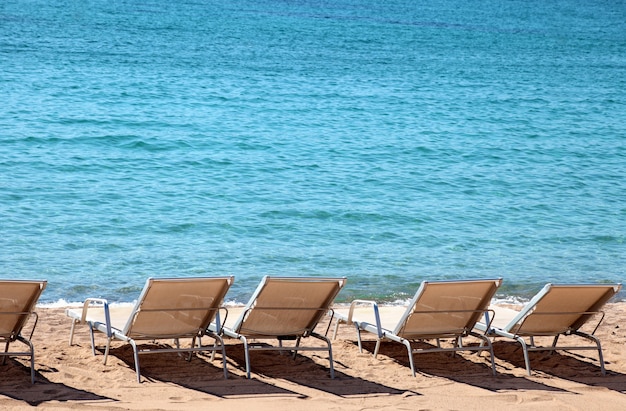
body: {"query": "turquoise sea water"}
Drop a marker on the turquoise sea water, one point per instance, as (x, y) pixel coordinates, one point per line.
(385, 141)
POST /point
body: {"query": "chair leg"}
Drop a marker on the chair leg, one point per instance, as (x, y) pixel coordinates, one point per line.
(32, 361)
(218, 338)
(596, 340)
(525, 350)
(106, 350)
(31, 350)
(407, 344)
(554, 343)
(331, 361)
(458, 343)
(600, 357)
(4, 357)
(358, 337)
(247, 355)
(212, 357)
(136, 357)
(72, 332)
(295, 351)
(93, 343)
(330, 353)
(377, 347)
(336, 329)
(193, 343)
(483, 340)
(482, 344)
(218, 342)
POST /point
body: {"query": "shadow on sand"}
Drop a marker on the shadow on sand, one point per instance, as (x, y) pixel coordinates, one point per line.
(205, 376)
(310, 371)
(572, 366)
(465, 368)
(15, 384)
(199, 374)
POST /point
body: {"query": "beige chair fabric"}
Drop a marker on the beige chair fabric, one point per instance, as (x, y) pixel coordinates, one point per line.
(17, 303)
(439, 310)
(284, 309)
(557, 310)
(168, 308)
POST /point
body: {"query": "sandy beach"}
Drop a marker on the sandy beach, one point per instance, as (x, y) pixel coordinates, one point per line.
(70, 378)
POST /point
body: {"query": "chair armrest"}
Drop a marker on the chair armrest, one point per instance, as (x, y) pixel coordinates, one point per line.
(374, 305)
(601, 314)
(90, 302)
(32, 331)
(489, 317)
(219, 323)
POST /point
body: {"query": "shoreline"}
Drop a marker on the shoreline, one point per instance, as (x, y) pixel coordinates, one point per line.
(71, 378)
(512, 300)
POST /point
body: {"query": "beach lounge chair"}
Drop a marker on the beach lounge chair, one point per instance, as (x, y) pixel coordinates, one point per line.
(17, 302)
(168, 308)
(439, 310)
(557, 310)
(284, 309)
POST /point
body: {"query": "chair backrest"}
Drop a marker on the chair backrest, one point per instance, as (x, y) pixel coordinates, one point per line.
(176, 307)
(287, 306)
(17, 302)
(559, 308)
(446, 308)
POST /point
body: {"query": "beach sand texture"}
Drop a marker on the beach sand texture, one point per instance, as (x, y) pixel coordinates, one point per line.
(70, 378)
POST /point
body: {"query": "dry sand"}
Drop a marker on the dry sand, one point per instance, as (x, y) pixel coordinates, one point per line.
(70, 378)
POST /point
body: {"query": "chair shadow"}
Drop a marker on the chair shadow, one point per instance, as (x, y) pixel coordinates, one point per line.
(303, 370)
(15, 383)
(572, 366)
(458, 368)
(199, 374)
